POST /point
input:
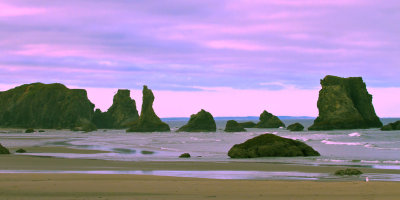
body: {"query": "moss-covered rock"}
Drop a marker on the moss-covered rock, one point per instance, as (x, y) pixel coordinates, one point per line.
(391, 126)
(344, 103)
(39, 105)
(268, 120)
(4, 150)
(295, 127)
(233, 126)
(203, 121)
(29, 130)
(184, 155)
(348, 172)
(269, 145)
(248, 124)
(148, 120)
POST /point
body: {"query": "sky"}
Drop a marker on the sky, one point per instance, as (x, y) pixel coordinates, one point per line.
(230, 57)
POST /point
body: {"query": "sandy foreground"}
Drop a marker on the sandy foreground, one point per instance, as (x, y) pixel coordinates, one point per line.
(97, 186)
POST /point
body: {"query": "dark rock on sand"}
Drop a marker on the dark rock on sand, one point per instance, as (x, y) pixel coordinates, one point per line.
(391, 126)
(348, 172)
(39, 105)
(148, 120)
(295, 127)
(233, 126)
(269, 145)
(184, 155)
(4, 150)
(268, 120)
(203, 121)
(248, 124)
(344, 103)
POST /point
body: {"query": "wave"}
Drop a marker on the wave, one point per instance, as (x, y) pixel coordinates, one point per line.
(355, 134)
(342, 143)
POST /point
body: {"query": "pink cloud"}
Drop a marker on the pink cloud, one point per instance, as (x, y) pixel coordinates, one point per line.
(8, 10)
(236, 45)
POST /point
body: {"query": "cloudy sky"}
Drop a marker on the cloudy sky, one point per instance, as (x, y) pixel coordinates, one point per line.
(232, 57)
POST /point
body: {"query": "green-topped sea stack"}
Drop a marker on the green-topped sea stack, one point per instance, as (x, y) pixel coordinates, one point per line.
(203, 121)
(39, 105)
(269, 145)
(391, 126)
(268, 120)
(4, 150)
(344, 103)
(234, 126)
(295, 127)
(148, 120)
(121, 114)
(248, 124)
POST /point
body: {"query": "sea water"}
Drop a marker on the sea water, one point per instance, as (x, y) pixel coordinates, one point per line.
(359, 147)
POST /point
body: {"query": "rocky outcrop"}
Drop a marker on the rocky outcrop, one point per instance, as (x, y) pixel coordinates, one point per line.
(85, 126)
(233, 126)
(348, 172)
(39, 105)
(391, 126)
(203, 121)
(121, 114)
(148, 120)
(4, 150)
(268, 120)
(344, 103)
(269, 145)
(248, 124)
(295, 127)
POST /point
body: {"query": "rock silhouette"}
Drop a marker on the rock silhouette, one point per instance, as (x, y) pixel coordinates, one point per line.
(391, 126)
(203, 121)
(233, 126)
(268, 120)
(295, 127)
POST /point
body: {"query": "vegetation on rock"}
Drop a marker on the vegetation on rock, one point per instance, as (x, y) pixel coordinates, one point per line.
(233, 126)
(268, 120)
(348, 172)
(4, 150)
(203, 121)
(391, 126)
(184, 155)
(344, 103)
(295, 127)
(269, 145)
(148, 120)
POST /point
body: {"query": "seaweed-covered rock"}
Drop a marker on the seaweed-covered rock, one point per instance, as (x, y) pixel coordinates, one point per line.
(269, 145)
(184, 155)
(268, 120)
(391, 126)
(39, 105)
(344, 103)
(233, 126)
(148, 120)
(4, 150)
(248, 124)
(348, 172)
(203, 121)
(29, 130)
(295, 127)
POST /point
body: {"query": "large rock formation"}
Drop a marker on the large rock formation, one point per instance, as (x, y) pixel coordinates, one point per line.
(203, 121)
(233, 126)
(391, 126)
(4, 150)
(295, 127)
(148, 120)
(121, 114)
(39, 105)
(269, 145)
(268, 120)
(344, 103)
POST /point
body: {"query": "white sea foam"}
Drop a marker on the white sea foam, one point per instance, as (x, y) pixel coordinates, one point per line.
(342, 143)
(371, 161)
(355, 134)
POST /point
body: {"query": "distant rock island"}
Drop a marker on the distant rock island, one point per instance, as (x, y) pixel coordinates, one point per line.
(268, 120)
(391, 126)
(269, 145)
(344, 103)
(295, 127)
(39, 105)
(248, 124)
(148, 120)
(120, 115)
(233, 126)
(203, 121)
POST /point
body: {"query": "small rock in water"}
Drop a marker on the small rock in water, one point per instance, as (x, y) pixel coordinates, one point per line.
(184, 155)
(29, 130)
(348, 172)
(147, 152)
(21, 151)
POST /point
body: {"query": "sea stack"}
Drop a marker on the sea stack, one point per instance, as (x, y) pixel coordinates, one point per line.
(295, 127)
(268, 120)
(39, 105)
(269, 145)
(391, 126)
(148, 120)
(203, 121)
(344, 103)
(233, 126)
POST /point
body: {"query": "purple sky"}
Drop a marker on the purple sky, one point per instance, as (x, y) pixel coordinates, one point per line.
(189, 48)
